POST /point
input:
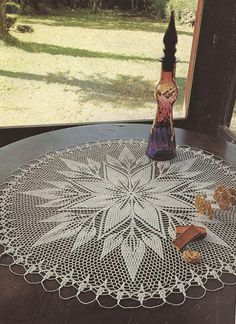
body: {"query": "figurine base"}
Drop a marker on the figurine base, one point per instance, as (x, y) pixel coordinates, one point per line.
(162, 156)
(161, 144)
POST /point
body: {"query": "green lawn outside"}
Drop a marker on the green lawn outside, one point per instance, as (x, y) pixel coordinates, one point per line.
(80, 67)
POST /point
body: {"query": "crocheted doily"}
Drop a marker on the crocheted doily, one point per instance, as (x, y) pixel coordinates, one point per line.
(98, 219)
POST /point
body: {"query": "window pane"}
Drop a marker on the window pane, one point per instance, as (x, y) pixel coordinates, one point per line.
(77, 66)
(233, 120)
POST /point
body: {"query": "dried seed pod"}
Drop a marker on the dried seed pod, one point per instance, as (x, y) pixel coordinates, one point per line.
(191, 256)
(232, 192)
(224, 197)
(203, 206)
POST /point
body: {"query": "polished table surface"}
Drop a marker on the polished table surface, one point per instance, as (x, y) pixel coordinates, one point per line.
(30, 304)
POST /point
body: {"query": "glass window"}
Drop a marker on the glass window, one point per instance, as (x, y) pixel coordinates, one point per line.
(233, 120)
(75, 66)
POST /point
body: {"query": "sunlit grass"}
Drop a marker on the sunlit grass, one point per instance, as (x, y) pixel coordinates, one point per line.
(85, 67)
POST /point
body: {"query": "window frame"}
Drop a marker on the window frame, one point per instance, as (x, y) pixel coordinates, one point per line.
(213, 88)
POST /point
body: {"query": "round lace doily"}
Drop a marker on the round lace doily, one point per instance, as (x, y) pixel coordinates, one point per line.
(98, 220)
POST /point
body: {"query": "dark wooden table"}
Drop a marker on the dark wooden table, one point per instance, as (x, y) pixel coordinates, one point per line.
(30, 304)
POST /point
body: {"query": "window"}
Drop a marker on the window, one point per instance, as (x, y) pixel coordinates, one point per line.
(81, 67)
(233, 121)
(209, 96)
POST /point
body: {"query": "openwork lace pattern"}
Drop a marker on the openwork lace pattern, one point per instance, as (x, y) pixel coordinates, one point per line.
(97, 220)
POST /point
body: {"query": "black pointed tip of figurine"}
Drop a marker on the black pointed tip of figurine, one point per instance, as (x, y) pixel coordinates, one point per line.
(170, 37)
(170, 40)
(172, 24)
(172, 18)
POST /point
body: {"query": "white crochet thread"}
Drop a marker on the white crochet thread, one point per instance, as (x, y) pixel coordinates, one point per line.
(100, 217)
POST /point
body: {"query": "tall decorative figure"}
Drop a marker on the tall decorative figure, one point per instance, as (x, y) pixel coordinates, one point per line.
(161, 144)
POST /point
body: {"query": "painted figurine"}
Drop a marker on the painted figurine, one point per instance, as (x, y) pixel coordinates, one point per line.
(161, 144)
